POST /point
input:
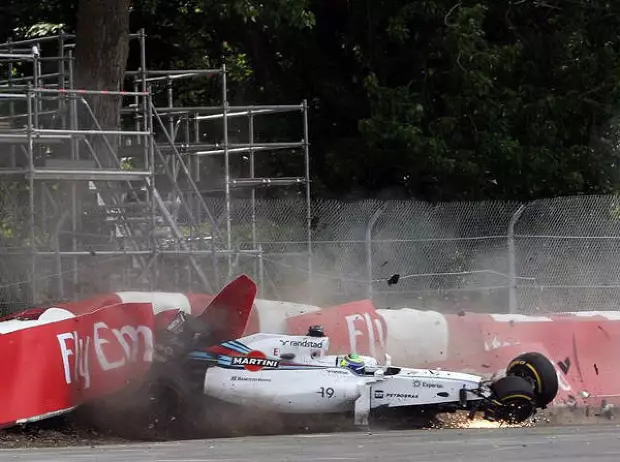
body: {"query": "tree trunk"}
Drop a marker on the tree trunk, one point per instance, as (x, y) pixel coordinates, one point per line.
(101, 51)
(102, 46)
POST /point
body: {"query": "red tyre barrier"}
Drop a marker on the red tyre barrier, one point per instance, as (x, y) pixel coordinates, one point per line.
(54, 367)
(60, 358)
(414, 336)
(582, 346)
(595, 358)
(583, 349)
(351, 327)
(161, 302)
(269, 316)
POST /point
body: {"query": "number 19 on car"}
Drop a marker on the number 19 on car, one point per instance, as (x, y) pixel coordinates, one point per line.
(326, 392)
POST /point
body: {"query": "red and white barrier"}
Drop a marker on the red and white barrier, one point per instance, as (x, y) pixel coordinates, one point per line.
(269, 316)
(160, 301)
(353, 326)
(56, 359)
(40, 346)
(53, 367)
(583, 346)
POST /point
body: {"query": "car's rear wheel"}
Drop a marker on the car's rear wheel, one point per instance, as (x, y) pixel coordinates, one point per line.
(163, 407)
(540, 372)
(167, 415)
(515, 398)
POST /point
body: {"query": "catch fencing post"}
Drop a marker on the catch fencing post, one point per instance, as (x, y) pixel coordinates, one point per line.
(512, 260)
(369, 228)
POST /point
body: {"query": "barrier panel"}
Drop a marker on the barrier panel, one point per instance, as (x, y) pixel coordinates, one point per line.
(51, 368)
(581, 345)
(354, 326)
(55, 355)
(161, 302)
(269, 316)
(61, 357)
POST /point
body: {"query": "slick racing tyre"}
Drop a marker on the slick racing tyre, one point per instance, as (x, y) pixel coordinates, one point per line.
(163, 407)
(540, 372)
(175, 406)
(515, 398)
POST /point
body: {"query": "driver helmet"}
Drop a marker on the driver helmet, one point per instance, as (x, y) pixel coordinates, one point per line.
(354, 362)
(315, 331)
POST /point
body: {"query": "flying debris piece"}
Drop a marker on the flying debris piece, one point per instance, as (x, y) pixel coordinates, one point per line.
(393, 279)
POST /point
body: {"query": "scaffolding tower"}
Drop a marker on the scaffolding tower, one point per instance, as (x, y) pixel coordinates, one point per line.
(85, 210)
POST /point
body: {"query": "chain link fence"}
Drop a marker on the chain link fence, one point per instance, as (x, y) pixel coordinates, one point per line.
(544, 256)
(568, 254)
(552, 255)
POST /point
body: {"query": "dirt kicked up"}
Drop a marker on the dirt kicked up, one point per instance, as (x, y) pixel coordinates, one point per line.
(56, 432)
(77, 430)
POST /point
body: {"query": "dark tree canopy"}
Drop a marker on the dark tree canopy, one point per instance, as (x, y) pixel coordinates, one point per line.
(434, 99)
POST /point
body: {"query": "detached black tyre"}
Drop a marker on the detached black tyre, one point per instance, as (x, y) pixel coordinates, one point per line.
(166, 417)
(540, 372)
(165, 407)
(516, 400)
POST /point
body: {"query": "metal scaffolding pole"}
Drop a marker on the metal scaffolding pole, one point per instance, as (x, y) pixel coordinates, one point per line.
(90, 92)
(238, 111)
(142, 72)
(59, 87)
(34, 40)
(16, 57)
(273, 108)
(61, 79)
(12, 111)
(253, 190)
(154, 279)
(120, 253)
(240, 148)
(170, 97)
(252, 175)
(227, 170)
(31, 201)
(6, 83)
(166, 73)
(189, 178)
(75, 156)
(308, 201)
(36, 72)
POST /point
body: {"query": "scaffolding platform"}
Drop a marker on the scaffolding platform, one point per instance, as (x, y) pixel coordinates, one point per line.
(138, 193)
(254, 182)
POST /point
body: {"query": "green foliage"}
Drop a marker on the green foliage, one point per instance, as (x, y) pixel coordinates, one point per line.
(40, 29)
(490, 99)
(437, 99)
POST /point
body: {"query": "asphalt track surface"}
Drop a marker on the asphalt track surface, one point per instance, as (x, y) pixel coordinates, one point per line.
(590, 443)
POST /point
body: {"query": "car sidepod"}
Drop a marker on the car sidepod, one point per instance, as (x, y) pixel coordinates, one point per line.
(411, 390)
(292, 391)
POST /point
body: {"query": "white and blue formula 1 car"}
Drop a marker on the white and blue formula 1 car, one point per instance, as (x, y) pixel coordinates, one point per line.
(294, 376)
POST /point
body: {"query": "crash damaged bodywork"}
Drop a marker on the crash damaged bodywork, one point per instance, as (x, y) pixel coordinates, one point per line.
(295, 375)
(167, 369)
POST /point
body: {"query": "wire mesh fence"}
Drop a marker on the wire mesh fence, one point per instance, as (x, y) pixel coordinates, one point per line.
(551, 255)
(569, 249)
